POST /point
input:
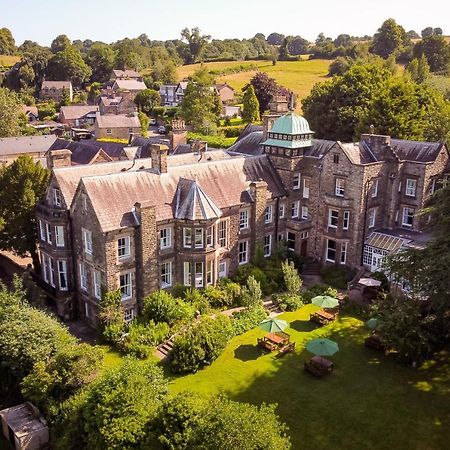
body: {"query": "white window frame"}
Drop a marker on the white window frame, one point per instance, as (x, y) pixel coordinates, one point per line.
(198, 237)
(166, 274)
(329, 248)
(346, 220)
(187, 237)
(296, 183)
(48, 233)
(410, 187)
(123, 249)
(42, 231)
(222, 269)
(210, 236)
(333, 217)
(97, 284)
(199, 274)
(57, 197)
(404, 215)
(187, 273)
(126, 288)
(222, 233)
(339, 188)
(83, 276)
(87, 241)
(165, 238)
(243, 252)
(129, 314)
(343, 258)
(209, 272)
(289, 241)
(375, 188)
(267, 245)
(62, 275)
(432, 186)
(59, 236)
(268, 213)
(243, 219)
(281, 210)
(306, 187)
(372, 217)
(305, 212)
(295, 209)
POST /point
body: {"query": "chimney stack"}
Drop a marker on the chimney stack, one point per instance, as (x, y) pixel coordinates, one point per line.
(158, 154)
(178, 135)
(59, 158)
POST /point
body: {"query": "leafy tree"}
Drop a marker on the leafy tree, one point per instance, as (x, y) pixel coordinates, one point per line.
(100, 59)
(390, 39)
(250, 109)
(68, 64)
(60, 43)
(189, 421)
(7, 43)
(418, 69)
(412, 34)
(437, 51)
(143, 119)
(427, 32)
(251, 294)
(147, 99)
(110, 314)
(10, 111)
(119, 407)
(94, 90)
(292, 279)
(339, 66)
(161, 306)
(298, 46)
(275, 38)
(23, 184)
(65, 97)
(196, 42)
(283, 53)
(265, 88)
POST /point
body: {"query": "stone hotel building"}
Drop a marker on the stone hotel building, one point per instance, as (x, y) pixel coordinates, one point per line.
(147, 224)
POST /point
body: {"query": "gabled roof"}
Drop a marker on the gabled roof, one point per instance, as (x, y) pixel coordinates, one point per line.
(126, 73)
(113, 196)
(192, 203)
(358, 153)
(26, 144)
(130, 85)
(77, 111)
(416, 151)
(56, 84)
(30, 110)
(117, 121)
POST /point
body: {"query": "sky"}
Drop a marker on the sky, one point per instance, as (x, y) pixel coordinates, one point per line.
(111, 20)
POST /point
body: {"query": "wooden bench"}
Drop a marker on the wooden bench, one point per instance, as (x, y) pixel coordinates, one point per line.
(374, 341)
(318, 366)
(267, 345)
(323, 317)
(286, 349)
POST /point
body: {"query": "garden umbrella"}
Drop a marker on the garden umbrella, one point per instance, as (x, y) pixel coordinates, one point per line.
(373, 323)
(325, 301)
(322, 347)
(273, 325)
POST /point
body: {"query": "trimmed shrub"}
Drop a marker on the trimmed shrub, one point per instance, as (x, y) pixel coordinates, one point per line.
(337, 276)
(232, 131)
(289, 302)
(268, 286)
(217, 297)
(318, 289)
(198, 301)
(200, 344)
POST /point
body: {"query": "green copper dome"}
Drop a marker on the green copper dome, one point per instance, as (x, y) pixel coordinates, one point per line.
(291, 124)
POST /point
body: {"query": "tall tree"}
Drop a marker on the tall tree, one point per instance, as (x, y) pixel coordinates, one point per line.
(10, 112)
(419, 69)
(100, 59)
(60, 43)
(265, 88)
(390, 39)
(7, 43)
(250, 109)
(196, 42)
(298, 46)
(275, 38)
(437, 51)
(22, 184)
(147, 99)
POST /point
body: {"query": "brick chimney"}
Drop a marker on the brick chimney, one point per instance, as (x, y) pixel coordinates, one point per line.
(158, 154)
(258, 192)
(59, 158)
(178, 135)
(380, 146)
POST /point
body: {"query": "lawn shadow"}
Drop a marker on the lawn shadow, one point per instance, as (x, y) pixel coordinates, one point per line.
(248, 352)
(304, 326)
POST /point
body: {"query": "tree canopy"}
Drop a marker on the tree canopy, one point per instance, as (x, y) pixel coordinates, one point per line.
(7, 43)
(250, 109)
(10, 111)
(390, 39)
(437, 51)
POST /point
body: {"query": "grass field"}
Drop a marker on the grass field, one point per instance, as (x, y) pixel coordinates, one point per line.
(368, 402)
(8, 60)
(299, 76)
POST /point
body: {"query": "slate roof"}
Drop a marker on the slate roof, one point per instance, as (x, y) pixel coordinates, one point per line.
(319, 148)
(26, 144)
(416, 151)
(358, 152)
(250, 144)
(56, 84)
(113, 196)
(77, 111)
(117, 121)
(130, 85)
(126, 73)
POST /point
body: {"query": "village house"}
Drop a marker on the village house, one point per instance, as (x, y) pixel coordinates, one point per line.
(226, 92)
(78, 115)
(118, 126)
(31, 113)
(168, 94)
(126, 74)
(53, 90)
(130, 85)
(174, 219)
(35, 146)
(117, 104)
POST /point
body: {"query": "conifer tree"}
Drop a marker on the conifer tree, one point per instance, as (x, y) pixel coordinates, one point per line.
(250, 112)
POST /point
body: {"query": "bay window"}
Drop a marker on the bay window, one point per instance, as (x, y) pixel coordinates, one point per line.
(187, 237)
(166, 274)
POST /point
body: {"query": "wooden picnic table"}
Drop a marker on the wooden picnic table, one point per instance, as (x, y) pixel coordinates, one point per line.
(323, 317)
(277, 338)
(319, 366)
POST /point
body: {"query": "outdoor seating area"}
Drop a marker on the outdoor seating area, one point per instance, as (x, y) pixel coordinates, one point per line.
(274, 341)
(375, 342)
(322, 317)
(319, 366)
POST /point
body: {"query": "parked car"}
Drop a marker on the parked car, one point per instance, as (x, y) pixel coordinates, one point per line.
(162, 129)
(152, 121)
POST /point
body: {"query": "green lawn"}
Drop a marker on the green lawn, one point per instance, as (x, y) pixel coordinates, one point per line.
(369, 402)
